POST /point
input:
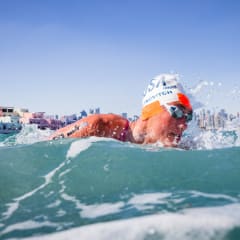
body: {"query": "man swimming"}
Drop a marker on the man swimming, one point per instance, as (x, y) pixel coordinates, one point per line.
(165, 114)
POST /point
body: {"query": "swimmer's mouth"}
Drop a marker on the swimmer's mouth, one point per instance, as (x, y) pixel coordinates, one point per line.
(174, 136)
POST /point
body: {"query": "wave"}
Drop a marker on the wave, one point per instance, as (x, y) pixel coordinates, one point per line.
(198, 223)
(105, 189)
(111, 186)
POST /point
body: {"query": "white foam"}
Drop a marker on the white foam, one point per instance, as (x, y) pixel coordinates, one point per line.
(54, 204)
(28, 225)
(214, 196)
(141, 202)
(61, 213)
(78, 147)
(67, 197)
(93, 211)
(198, 223)
(147, 201)
(81, 145)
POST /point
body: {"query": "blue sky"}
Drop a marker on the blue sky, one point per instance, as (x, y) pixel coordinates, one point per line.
(62, 56)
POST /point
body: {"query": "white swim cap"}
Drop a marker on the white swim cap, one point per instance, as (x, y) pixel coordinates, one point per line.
(163, 89)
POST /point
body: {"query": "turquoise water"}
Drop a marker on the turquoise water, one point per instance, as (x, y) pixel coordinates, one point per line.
(99, 188)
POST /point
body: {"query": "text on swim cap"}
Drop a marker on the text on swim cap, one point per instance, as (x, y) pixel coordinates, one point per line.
(154, 84)
(157, 95)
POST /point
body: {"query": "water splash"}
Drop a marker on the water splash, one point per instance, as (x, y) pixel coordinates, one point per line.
(199, 87)
(29, 134)
(197, 138)
(203, 93)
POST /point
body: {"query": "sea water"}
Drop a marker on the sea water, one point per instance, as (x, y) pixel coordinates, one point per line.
(98, 188)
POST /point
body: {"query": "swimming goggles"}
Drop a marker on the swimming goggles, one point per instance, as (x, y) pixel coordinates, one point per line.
(178, 112)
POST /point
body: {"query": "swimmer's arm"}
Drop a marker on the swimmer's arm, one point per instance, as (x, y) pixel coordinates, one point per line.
(83, 128)
(78, 129)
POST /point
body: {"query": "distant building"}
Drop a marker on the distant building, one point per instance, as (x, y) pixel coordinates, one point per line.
(94, 111)
(69, 119)
(91, 111)
(9, 120)
(6, 111)
(125, 115)
(135, 117)
(97, 110)
(217, 120)
(83, 114)
(12, 111)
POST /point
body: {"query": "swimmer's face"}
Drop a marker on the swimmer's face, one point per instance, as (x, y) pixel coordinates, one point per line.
(166, 129)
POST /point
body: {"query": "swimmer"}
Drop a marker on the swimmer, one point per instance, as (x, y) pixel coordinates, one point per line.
(165, 114)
